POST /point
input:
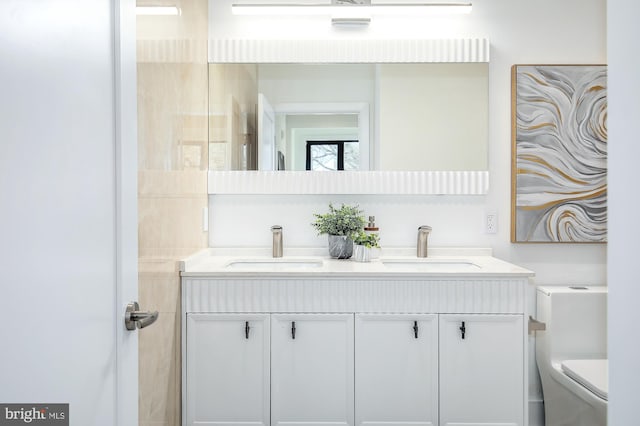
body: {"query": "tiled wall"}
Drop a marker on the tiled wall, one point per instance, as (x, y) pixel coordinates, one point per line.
(172, 150)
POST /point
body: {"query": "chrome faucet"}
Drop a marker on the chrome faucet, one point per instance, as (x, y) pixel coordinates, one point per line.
(277, 240)
(423, 237)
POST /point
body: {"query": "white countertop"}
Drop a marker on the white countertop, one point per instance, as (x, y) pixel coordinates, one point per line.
(315, 262)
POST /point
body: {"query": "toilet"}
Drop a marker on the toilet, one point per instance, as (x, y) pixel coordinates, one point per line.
(571, 355)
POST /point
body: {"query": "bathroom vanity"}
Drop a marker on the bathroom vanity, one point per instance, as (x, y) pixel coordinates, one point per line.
(316, 341)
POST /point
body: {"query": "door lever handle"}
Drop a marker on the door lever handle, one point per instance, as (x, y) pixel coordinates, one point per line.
(135, 318)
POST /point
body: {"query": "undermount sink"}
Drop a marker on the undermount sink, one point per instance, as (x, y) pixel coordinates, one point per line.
(430, 265)
(274, 264)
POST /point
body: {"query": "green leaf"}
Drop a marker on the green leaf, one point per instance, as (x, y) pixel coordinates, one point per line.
(346, 220)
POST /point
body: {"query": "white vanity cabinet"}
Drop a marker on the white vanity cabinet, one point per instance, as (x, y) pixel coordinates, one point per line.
(370, 350)
(312, 369)
(481, 370)
(396, 369)
(227, 369)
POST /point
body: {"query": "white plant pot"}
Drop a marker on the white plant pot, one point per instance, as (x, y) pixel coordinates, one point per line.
(361, 253)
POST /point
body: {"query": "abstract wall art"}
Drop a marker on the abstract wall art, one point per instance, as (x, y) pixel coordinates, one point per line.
(559, 154)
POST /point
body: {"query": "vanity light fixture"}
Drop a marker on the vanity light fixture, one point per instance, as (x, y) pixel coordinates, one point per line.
(350, 11)
(158, 10)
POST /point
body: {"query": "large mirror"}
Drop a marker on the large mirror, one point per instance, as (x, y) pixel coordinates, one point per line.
(387, 117)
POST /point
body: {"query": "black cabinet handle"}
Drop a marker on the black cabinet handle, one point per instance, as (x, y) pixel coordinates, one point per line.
(246, 329)
(463, 330)
(293, 330)
(415, 329)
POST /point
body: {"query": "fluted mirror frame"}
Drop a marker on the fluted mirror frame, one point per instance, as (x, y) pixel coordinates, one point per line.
(463, 50)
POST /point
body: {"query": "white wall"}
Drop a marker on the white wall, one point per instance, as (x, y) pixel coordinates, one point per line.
(284, 83)
(624, 110)
(540, 32)
(433, 116)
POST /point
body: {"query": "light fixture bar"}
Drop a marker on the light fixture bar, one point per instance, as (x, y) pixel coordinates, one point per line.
(352, 10)
(351, 21)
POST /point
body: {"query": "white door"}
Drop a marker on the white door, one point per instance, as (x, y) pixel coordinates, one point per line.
(68, 221)
(227, 369)
(266, 134)
(481, 370)
(396, 370)
(312, 370)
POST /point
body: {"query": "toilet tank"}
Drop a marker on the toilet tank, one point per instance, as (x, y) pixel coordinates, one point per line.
(576, 322)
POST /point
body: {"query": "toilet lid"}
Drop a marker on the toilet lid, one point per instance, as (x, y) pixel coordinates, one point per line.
(593, 374)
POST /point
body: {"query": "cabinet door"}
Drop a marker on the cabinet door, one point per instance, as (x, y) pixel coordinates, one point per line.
(396, 370)
(481, 370)
(312, 370)
(227, 369)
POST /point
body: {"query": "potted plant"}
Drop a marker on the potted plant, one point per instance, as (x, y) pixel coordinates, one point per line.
(364, 243)
(341, 225)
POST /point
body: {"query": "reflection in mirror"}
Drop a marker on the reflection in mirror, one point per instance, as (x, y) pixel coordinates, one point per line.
(424, 117)
(299, 126)
(318, 141)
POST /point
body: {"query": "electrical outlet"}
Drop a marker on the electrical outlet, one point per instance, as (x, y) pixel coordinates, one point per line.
(491, 222)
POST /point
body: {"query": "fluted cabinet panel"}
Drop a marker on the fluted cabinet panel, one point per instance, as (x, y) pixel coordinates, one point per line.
(357, 295)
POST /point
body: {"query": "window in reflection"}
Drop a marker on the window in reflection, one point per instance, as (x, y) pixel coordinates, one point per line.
(332, 155)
